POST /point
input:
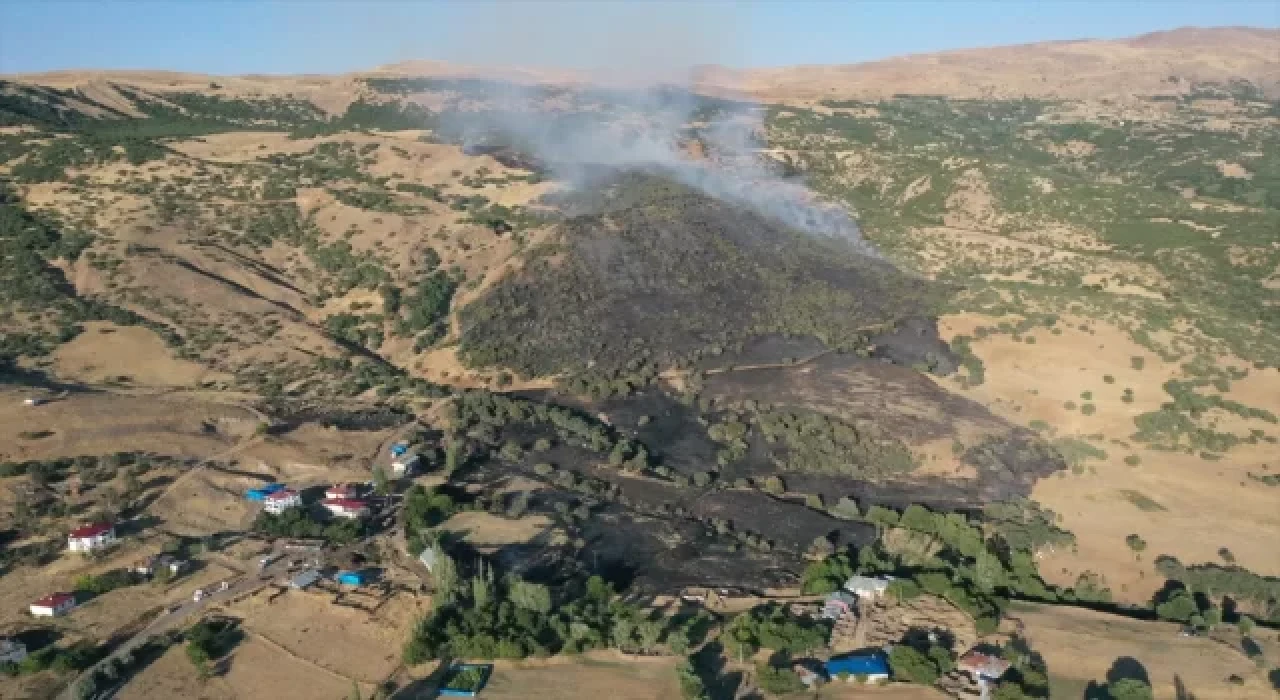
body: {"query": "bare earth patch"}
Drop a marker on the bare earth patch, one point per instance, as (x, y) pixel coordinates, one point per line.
(105, 351)
(588, 677)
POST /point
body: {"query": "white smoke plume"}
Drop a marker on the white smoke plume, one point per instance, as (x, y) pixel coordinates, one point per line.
(645, 114)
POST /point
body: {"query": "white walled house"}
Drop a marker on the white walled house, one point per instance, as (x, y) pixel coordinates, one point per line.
(91, 537)
(53, 605)
(346, 507)
(280, 501)
(342, 492)
(406, 464)
(867, 586)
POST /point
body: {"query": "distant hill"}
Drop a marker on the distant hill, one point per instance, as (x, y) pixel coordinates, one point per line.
(1160, 63)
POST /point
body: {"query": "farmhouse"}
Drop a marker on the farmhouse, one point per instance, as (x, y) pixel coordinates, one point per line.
(982, 667)
(88, 538)
(305, 580)
(280, 501)
(406, 464)
(12, 651)
(351, 578)
(838, 605)
(260, 493)
(342, 491)
(53, 605)
(346, 507)
(160, 562)
(867, 586)
(870, 667)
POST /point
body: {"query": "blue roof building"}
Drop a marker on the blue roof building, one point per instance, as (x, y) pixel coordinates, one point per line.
(260, 493)
(873, 665)
(351, 578)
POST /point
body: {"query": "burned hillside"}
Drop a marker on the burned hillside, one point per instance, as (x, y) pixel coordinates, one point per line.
(660, 276)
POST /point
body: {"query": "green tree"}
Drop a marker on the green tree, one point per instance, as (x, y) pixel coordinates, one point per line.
(648, 632)
(1129, 689)
(1180, 607)
(1246, 625)
(530, 596)
(691, 687)
(380, 481)
(988, 571)
(907, 663)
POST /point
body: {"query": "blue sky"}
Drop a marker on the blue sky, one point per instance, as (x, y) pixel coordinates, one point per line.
(300, 36)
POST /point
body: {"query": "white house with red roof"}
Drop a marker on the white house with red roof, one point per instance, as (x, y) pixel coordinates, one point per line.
(346, 507)
(343, 492)
(88, 538)
(280, 501)
(53, 605)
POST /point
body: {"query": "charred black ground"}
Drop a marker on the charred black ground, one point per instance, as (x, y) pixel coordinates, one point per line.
(659, 276)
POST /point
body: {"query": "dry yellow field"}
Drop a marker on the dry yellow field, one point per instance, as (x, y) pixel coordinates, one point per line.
(589, 677)
(1201, 505)
(1080, 646)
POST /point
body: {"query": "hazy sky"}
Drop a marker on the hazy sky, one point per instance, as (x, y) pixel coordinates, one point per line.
(238, 36)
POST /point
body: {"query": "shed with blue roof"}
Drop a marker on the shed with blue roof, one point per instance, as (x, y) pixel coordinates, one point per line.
(871, 666)
(260, 493)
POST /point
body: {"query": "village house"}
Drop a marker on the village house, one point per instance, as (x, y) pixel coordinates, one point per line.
(12, 651)
(839, 605)
(260, 493)
(868, 586)
(406, 464)
(53, 605)
(346, 507)
(868, 668)
(280, 501)
(983, 668)
(91, 537)
(342, 492)
(160, 562)
(305, 580)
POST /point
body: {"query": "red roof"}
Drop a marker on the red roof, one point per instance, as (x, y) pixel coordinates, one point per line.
(341, 491)
(983, 664)
(91, 530)
(345, 503)
(281, 495)
(54, 600)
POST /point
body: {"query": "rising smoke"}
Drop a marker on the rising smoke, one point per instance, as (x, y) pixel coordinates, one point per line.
(648, 114)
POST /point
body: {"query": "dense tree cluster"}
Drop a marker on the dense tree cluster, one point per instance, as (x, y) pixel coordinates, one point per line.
(487, 618)
(1262, 593)
(773, 627)
(299, 522)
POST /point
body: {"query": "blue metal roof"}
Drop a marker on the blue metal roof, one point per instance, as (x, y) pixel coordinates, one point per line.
(854, 664)
(260, 492)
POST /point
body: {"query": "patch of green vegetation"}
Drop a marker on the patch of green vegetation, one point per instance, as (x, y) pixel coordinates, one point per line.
(297, 522)
(77, 657)
(1141, 501)
(1077, 451)
(486, 618)
(772, 627)
(818, 443)
(1261, 592)
(1268, 479)
(31, 286)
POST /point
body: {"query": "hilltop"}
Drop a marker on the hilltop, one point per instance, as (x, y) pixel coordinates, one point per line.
(1161, 63)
